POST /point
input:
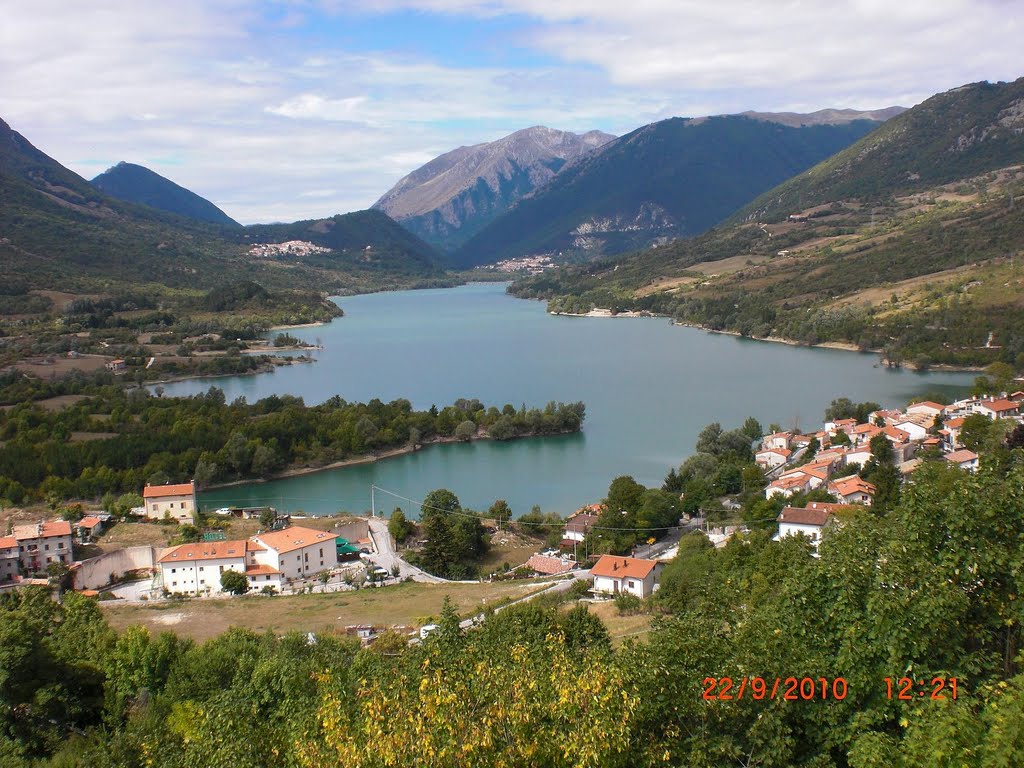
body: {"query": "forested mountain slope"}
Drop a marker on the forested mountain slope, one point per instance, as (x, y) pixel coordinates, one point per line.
(907, 242)
(666, 180)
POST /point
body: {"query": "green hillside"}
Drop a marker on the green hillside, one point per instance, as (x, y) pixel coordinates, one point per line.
(136, 184)
(908, 243)
(670, 179)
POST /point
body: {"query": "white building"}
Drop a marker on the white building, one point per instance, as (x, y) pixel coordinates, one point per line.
(195, 569)
(631, 575)
(178, 502)
(8, 558)
(771, 458)
(297, 552)
(267, 560)
(926, 408)
(997, 409)
(42, 544)
(853, 490)
(964, 459)
(810, 521)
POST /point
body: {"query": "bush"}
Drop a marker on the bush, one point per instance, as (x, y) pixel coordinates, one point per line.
(628, 604)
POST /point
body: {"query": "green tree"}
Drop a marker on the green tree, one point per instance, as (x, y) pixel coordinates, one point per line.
(501, 512)
(465, 430)
(399, 526)
(234, 582)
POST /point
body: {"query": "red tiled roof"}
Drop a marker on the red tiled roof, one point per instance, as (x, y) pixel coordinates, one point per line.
(846, 485)
(927, 404)
(48, 529)
(205, 550)
(615, 567)
(261, 570)
(549, 565)
(999, 405)
(295, 537)
(780, 451)
(88, 522)
(798, 480)
(159, 491)
(798, 516)
(958, 457)
(957, 422)
(8, 542)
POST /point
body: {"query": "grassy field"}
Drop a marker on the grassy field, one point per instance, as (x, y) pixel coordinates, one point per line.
(621, 627)
(410, 604)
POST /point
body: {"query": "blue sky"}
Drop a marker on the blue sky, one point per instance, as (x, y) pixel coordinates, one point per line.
(304, 108)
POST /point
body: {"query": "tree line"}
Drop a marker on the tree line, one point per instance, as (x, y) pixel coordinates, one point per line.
(928, 590)
(116, 440)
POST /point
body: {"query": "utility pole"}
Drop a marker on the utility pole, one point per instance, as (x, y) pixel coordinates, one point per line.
(373, 501)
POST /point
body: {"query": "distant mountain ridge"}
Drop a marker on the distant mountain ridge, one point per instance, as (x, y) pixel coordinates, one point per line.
(59, 231)
(907, 242)
(669, 179)
(454, 195)
(138, 184)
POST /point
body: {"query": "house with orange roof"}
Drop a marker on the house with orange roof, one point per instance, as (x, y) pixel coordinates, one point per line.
(42, 543)
(196, 568)
(840, 425)
(997, 408)
(950, 433)
(615, 575)
(926, 408)
(770, 458)
(268, 560)
(9, 556)
(853, 490)
(862, 433)
(297, 552)
(177, 502)
(90, 527)
(788, 485)
(916, 426)
(967, 460)
(810, 521)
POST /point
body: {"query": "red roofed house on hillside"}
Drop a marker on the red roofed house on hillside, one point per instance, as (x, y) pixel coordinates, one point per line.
(964, 459)
(997, 409)
(853, 490)
(809, 521)
(178, 502)
(8, 558)
(613, 575)
(267, 560)
(43, 543)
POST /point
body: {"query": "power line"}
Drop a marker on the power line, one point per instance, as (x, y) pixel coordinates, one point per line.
(559, 524)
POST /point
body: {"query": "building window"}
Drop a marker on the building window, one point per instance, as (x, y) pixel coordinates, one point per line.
(154, 507)
(174, 583)
(202, 581)
(200, 567)
(222, 569)
(174, 570)
(321, 553)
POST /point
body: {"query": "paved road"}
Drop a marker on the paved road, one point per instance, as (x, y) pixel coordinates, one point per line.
(385, 556)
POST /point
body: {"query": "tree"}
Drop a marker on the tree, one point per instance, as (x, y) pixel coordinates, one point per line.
(501, 512)
(976, 431)
(399, 526)
(267, 518)
(234, 582)
(465, 430)
(752, 428)
(265, 459)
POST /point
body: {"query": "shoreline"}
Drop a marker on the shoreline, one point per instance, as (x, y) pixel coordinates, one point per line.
(369, 459)
(842, 346)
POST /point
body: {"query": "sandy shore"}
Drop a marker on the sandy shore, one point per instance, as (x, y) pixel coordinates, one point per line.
(603, 313)
(299, 325)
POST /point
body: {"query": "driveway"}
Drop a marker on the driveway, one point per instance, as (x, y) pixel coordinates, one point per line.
(385, 555)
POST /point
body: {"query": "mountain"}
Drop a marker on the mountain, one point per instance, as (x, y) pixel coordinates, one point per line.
(368, 239)
(136, 184)
(666, 180)
(59, 231)
(450, 198)
(907, 243)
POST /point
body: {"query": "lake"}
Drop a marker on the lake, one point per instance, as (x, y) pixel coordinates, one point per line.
(649, 388)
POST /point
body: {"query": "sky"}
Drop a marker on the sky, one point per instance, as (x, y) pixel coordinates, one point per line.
(295, 109)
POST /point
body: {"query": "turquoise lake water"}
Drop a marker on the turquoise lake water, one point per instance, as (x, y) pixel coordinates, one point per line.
(649, 388)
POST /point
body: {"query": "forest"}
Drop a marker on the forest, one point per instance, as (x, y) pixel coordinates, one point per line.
(115, 440)
(928, 590)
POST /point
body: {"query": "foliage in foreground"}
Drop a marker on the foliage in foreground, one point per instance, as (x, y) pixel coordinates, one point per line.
(931, 589)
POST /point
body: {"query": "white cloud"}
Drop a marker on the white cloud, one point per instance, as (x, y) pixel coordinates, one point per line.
(232, 99)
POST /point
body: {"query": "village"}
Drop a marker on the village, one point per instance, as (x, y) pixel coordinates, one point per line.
(290, 555)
